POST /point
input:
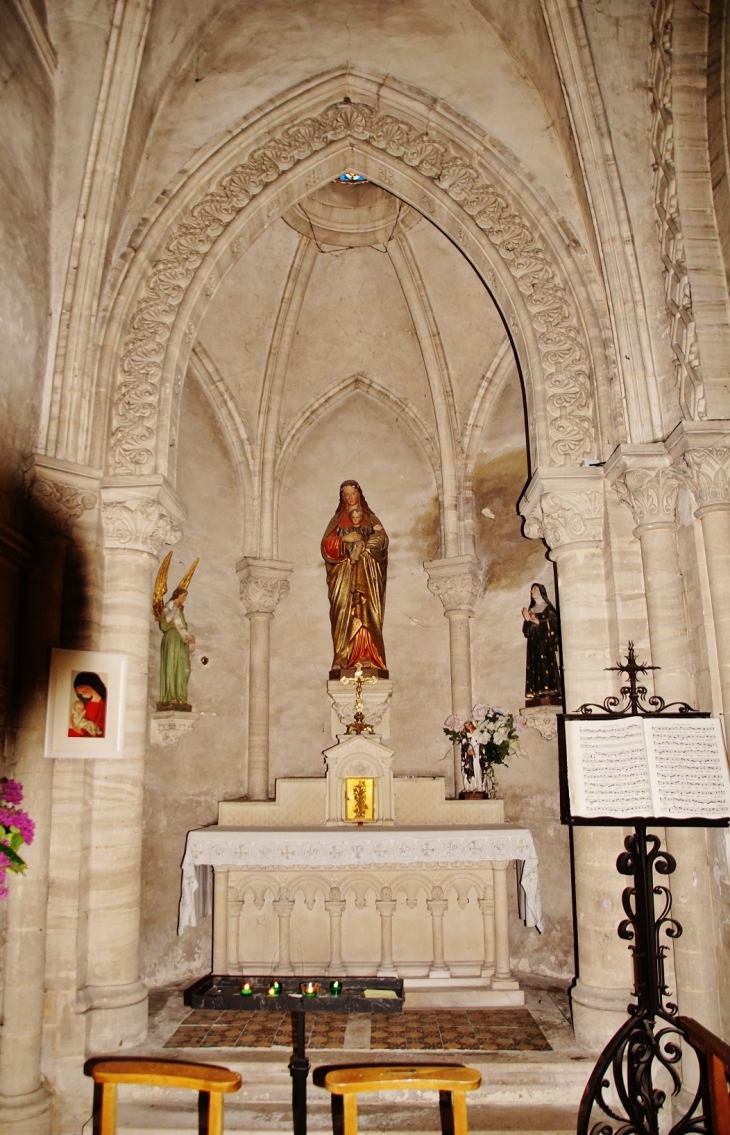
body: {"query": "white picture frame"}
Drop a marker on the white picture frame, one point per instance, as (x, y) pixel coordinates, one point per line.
(79, 721)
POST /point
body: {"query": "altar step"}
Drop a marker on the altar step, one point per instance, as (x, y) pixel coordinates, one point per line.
(517, 1095)
(459, 993)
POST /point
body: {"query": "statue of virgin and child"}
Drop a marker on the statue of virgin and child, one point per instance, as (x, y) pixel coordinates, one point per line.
(355, 552)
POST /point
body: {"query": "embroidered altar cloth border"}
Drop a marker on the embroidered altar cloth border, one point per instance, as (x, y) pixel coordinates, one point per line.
(241, 848)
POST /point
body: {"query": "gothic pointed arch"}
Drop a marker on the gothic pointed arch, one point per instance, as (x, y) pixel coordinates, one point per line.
(468, 186)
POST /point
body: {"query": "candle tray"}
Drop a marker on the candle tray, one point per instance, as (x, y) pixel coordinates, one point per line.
(224, 992)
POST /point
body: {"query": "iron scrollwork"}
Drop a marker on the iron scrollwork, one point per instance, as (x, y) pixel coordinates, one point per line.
(623, 1082)
(635, 696)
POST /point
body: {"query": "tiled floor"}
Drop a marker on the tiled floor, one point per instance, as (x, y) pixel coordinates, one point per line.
(475, 1030)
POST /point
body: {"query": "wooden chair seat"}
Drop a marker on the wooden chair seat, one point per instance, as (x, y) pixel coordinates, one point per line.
(207, 1079)
(451, 1081)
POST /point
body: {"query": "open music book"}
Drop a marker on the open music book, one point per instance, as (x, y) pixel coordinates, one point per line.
(640, 766)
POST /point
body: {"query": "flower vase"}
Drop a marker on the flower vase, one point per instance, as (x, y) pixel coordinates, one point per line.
(489, 781)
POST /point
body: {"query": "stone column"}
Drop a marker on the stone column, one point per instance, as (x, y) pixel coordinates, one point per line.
(263, 584)
(283, 906)
(565, 508)
(438, 905)
(647, 484)
(503, 978)
(139, 516)
(335, 907)
(708, 471)
(386, 906)
(220, 920)
(457, 582)
(486, 906)
(24, 1104)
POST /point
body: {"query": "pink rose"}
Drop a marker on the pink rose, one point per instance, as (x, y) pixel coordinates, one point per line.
(480, 711)
(454, 723)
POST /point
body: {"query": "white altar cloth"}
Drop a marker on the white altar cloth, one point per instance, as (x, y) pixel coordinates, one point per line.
(239, 848)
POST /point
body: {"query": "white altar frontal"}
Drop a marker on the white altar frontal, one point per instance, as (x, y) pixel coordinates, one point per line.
(422, 892)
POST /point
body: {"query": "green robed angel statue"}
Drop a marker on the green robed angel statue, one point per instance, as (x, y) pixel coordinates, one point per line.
(178, 644)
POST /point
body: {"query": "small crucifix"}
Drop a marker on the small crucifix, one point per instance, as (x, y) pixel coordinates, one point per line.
(358, 681)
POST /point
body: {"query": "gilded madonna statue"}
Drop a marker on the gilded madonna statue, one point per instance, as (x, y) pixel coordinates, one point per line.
(355, 552)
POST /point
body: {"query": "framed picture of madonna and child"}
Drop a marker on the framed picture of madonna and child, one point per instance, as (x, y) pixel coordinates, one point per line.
(87, 693)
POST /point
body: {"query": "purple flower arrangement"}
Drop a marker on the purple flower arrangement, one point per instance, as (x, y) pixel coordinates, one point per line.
(16, 828)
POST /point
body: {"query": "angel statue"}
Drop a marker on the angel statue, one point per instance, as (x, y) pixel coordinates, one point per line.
(178, 644)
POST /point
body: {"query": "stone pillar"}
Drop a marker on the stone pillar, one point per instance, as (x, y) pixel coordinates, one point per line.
(565, 508)
(283, 906)
(647, 484)
(458, 583)
(335, 907)
(503, 978)
(386, 906)
(438, 905)
(486, 906)
(55, 507)
(263, 583)
(139, 516)
(220, 920)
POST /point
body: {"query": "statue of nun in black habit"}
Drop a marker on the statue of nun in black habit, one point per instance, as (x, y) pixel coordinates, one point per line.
(540, 628)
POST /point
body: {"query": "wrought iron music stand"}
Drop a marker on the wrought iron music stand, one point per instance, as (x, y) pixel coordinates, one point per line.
(652, 1037)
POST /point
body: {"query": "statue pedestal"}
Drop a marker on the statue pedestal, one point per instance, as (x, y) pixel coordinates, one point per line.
(376, 698)
(168, 725)
(359, 755)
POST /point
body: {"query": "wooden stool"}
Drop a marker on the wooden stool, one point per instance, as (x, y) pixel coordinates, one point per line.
(207, 1079)
(451, 1081)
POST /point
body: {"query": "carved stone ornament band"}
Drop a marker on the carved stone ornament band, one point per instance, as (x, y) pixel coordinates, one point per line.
(323, 848)
(525, 254)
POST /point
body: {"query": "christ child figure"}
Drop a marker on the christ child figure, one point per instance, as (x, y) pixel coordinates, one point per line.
(356, 535)
(88, 711)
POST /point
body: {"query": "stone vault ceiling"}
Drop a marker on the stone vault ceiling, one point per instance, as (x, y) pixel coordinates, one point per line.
(325, 313)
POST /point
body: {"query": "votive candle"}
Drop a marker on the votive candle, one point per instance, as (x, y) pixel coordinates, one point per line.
(246, 990)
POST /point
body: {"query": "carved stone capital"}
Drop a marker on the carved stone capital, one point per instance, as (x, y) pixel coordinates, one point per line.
(59, 493)
(456, 580)
(564, 507)
(708, 475)
(651, 494)
(168, 726)
(263, 583)
(141, 514)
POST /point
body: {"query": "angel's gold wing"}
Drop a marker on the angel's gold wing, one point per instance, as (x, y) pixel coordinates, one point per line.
(158, 597)
(184, 583)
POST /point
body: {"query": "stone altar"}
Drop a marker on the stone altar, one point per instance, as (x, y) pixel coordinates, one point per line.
(425, 900)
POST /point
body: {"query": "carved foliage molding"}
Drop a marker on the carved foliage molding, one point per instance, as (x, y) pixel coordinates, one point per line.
(141, 524)
(709, 475)
(59, 506)
(458, 592)
(262, 594)
(677, 292)
(651, 494)
(553, 312)
(567, 518)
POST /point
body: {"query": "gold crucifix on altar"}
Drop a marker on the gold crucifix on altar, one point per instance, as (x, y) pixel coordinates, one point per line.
(358, 681)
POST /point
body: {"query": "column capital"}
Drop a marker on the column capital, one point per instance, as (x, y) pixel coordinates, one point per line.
(456, 580)
(646, 481)
(564, 507)
(60, 492)
(708, 475)
(263, 584)
(140, 513)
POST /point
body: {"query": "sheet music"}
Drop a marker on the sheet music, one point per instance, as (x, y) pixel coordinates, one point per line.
(608, 768)
(691, 768)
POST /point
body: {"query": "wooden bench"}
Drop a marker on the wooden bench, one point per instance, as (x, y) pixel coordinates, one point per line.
(207, 1079)
(716, 1055)
(451, 1081)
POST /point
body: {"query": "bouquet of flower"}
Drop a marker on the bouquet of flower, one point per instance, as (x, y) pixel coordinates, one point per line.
(16, 828)
(487, 739)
